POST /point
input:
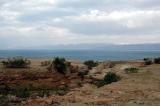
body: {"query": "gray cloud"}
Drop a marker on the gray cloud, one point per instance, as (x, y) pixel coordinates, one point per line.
(65, 22)
(111, 4)
(118, 23)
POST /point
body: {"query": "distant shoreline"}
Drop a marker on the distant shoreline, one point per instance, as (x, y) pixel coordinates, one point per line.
(81, 55)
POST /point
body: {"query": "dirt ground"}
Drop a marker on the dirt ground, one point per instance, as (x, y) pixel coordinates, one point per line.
(134, 89)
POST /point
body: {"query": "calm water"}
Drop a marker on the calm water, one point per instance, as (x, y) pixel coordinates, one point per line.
(81, 54)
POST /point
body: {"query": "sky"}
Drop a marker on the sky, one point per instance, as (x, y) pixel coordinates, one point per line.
(31, 23)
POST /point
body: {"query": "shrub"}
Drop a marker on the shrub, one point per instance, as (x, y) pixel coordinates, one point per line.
(43, 93)
(131, 70)
(157, 60)
(90, 64)
(100, 83)
(18, 92)
(111, 77)
(82, 74)
(148, 61)
(4, 100)
(62, 91)
(59, 65)
(22, 93)
(108, 79)
(4, 89)
(17, 62)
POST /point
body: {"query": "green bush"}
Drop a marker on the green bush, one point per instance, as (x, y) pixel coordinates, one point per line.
(148, 61)
(157, 60)
(17, 62)
(59, 65)
(19, 92)
(100, 83)
(131, 70)
(111, 77)
(90, 64)
(4, 100)
(4, 89)
(108, 79)
(82, 74)
(22, 93)
(43, 93)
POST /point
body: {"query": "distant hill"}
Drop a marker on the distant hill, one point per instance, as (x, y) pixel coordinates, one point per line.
(102, 47)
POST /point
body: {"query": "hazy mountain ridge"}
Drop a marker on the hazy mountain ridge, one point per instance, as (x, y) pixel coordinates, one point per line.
(101, 47)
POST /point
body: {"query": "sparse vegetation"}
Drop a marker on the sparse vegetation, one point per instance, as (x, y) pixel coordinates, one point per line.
(4, 100)
(62, 91)
(157, 60)
(43, 93)
(79, 83)
(111, 77)
(108, 79)
(131, 70)
(35, 84)
(16, 62)
(111, 65)
(91, 63)
(22, 93)
(19, 92)
(148, 61)
(82, 74)
(45, 63)
(100, 83)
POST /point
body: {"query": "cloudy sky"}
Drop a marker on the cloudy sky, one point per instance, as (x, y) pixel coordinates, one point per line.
(31, 23)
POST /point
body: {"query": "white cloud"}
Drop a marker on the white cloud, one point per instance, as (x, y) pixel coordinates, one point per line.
(38, 4)
(131, 19)
(9, 15)
(46, 35)
(50, 22)
(96, 22)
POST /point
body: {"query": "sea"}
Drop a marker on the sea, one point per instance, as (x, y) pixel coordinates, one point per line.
(83, 55)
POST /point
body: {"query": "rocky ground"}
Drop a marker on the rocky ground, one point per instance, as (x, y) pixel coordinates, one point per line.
(134, 89)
